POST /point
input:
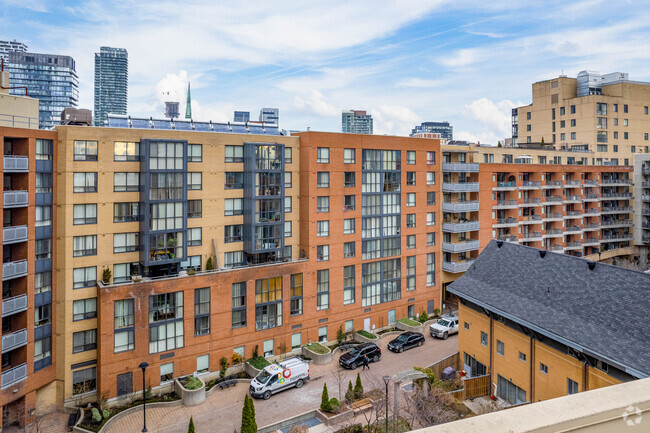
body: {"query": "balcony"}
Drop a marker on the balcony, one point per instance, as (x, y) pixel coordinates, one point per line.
(591, 197)
(531, 219)
(553, 199)
(571, 214)
(14, 375)
(617, 237)
(616, 223)
(16, 164)
(531, 236)
(574, 245)
(14, 234)
(616, 209)
(531, 201)
(573, 199)
(14, 269)
(553, 233)
(508, 238)
(645, 170)
(460, 187)
(616, 182)
(591, 182)
(591, 227)
(573, 229)
(505, 186)
(557, 248)
(470, 206)
(459, 247)
(531, 184)
(553, 184)
(14, 340)
(459, 167)
(616, 195)
(15, 199)
(460, 227)
(592, 212)
(506, 204)
(505, 222)
(13, 305)
(573, 183)
(591, 242)
(456, 267)
(555, 216)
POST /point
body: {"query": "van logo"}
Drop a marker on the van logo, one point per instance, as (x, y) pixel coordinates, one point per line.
(286, 373)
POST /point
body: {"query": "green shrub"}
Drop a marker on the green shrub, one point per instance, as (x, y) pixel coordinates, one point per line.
(424, 317)
(248, 424)
(334, 405)
(436, 312)
(354, 428)
(148, 394)
(358, 388)
(224, 366)
(208, 264)
(190, 428)
(192, 382)
(258, 362)
(97, 417)
(431, 378)
(256, 351)
(106, 275)
(106, 413)
(317, 348)
(325, 400)
(409, 322)
(366, 334)
(237, 358)
(349, 394)
(340, 335)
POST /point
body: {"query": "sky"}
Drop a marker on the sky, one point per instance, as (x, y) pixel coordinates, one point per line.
(408, 61)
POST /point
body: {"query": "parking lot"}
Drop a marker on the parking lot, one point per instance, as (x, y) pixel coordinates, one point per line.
(222, 409)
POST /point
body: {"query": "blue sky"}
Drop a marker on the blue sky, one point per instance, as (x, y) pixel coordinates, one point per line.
(404, 61)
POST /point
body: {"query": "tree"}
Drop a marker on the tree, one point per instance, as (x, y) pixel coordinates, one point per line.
(340, 335)
(325, 400)
(542, 143)
(358, 388)
(190, 428)
(208, 264)
(349, 395)
(499, 145)
(248, 424)
(424, 317)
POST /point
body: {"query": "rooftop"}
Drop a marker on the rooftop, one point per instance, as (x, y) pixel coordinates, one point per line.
(117, 121)
(567, 299)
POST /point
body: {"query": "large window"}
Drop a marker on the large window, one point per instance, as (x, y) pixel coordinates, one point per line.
(323, 179)
(84, 277)
(84, 182)
(43, 149)
(42, 353)
(349, 179)
(165, 156)
(165, 322)
(166, 246)
(126, 212)
(124, 325)
(348, 156)
(233, 259)
(84, 340)
(348, 226)
(431, 177)
(43, 182)
(233, 233)
(238, 305)
(126, 151)
(166, 372)
(43, 216)
(509, 391)
(194, 237)
(234, 154)
(233, 206)
(431, 158)
(501, 348)
(166, 186)
(43, 282)
(201, 311)
(43, 315)
(194, 152)
(122, 272)
(84, 214)
(84, 245)
(410, 273)
(84, 380)
(126, 242)
(234, 180)
(43, 249)
(123, 182)
(323, 155)
(166, 216)
(194, 181)
(83, 309)
(323, 289)
(323, 204)
(322, 253)
(348, 285)
(348, 250)
(268, 303)
(322, 228)
(431, 269)
(296, 294)
(85, 150)
(288, 155)
(194, 208)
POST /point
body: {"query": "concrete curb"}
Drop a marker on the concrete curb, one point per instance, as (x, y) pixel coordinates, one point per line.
(78, 429)
(318, 358)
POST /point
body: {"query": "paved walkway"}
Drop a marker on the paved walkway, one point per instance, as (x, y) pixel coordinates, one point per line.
(221, 412)
(51, 423)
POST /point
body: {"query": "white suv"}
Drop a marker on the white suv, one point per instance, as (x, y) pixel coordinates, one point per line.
(444, 327)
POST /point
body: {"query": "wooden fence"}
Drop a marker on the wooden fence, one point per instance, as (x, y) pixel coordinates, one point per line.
(476, 386)
(450, 361)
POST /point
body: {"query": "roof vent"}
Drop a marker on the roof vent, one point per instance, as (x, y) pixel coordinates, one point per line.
(499, 244)
(592, 266)
(542, 253)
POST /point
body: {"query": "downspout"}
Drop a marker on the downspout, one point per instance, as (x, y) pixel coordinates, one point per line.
(491, 337)
(532, 361)
(584, 376)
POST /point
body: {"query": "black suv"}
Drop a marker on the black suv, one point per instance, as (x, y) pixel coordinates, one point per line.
(354, 357)
(406, 340)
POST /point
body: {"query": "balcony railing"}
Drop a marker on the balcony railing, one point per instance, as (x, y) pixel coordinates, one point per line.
(553, 232)
(531, 184)
(14, 340)
(457, 167)
(646, 183)
(456, 267)
(507, 238)
(621, 223)
(616, 209)
(592, 211)
(572, 213)
(16, 164)
(577, 182)
(13, 305)
(14, 375)
(573, 198)
(532, 200)
(616, 182)
(645, 170)
(506, 203)
(554, 183)
(15, 199)
(573, 229)
(470, 206)
(459, 247)
(553, 198)
(592, 241)
(506, 185)
(574, 244)
(14, 269)
(460, 227)
(592, 226)
(617, 237)
(506, 221)
(607, 195)
(554, 215)
(531, 236)
(14, 234)
(555, 248)
(460, 187)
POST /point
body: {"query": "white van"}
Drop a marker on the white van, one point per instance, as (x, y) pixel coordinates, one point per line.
(278, 377)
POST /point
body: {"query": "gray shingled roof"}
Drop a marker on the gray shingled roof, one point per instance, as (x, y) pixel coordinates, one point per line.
(602, 312)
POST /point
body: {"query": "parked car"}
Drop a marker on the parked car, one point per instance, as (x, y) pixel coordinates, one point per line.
(278, 377)
(354, 357)
(406, 340)
(444, 327)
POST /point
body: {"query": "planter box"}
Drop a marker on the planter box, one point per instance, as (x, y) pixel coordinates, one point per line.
(190, 397)
(250, 370)
(318, 358)
(405, 327)
(360, 338)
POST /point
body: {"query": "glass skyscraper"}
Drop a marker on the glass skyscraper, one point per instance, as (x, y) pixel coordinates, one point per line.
(111, 83)
(50, 78)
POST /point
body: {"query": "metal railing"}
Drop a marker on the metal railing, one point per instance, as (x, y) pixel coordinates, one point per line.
(555, 248)
(533, 200)
(577, 182)
(616, 223)
(616, 194)
(574, 213)
(616, 181)
(460, 187)
(15, 199)
(506, 220)
(592, 241)
(470, 167)
(470, 206)
(459, 247)
(616, 209)
(554, 215)
(573, 244)
(614, 237)
(14, 375)
(573, 198)
(531, 235)
(593, 182)
(573, 228)
(531, 184)
(460, 226)
(13, 305)
(553, 198)
(14, 340)
(14, 269)
(506, 185)
(528, 218)
(592, 226)
(456, 267)
(506, 203)
(14, 121)
(13, 234)
(557, 183)
(552, 232)
(15, 163)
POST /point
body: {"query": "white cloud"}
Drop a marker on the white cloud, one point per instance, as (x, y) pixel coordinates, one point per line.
(481, 137)
(394, 120)
(417, 82)
(315, 104)
(462, 57)
(496, 116)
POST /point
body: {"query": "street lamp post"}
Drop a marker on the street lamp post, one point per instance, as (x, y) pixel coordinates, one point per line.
(386, 380)
(143, 366)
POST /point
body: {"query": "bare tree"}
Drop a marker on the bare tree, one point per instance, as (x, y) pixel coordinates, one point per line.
(632, 264)
(434, 409)
(339, 379)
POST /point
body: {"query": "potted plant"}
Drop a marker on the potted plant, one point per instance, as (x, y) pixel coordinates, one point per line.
(106, 275)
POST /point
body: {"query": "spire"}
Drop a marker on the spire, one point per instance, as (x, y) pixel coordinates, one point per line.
(188, 107)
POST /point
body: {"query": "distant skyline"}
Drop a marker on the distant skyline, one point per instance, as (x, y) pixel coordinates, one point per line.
(405, 62)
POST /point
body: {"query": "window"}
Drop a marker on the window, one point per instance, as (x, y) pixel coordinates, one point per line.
(268, 348)
(122, 272)
(615, 134)
(522, 356)
(573, 122)
(194, 237)
(410, 220)
(625, 122)
(84, 340)
(348, 285)
(615, 148)
(509, 391)
(43, 216)
(287, 204)
(234, 180)
(323, 155)
(410, 178)
(572, 387)
(601, 136)
(192, 262)
(431, 198)
(349, 155)
(573, 109)
(233, 259)
(431, 177)
(322, 228)
(349, 179)
(323, 289)
(431, 269)
(601, 109)
(126, 212)
(84, 182)
(348, 250)
(322, 333)
(42, 353)
(287, 179)
(43, 149)
(126, 151)
(83, 309)
(287, 229)
(85, 150)
(431, 158)
(563, 136)
(296, 295)
(126, 182)
(194, 180)
(166, 372)
(288, 155)
(625, 135)
(528, 115)
(348, 202)
(268, 303)
(43, 249)
(194, 152)
(573, 136)
(323, 204)
(296, 341)
(201, 311)
(500, 348)
(645, 110)
(124, 325)
(323, 179)
(233, 206)
(601, 148)
(431, 239)
(233, 233)
(84, 380)
(42, 315)
(126, 242)
(43, 282)
(562, 111)
(410, 273)
(166, 216)
(410, 199)
(166, 186)
(238, 305)
(165, 322)
(84, 277)
(236, 154)
(601, 123)
(484, 338)
(410, 157)
(348, 226)
(43, 182)
(84, 214)
(625, 108)
(322, 253)
(194, 208)
(84, 245)
(528, 127)
(431, 218)
(466, 325)
(410, 242)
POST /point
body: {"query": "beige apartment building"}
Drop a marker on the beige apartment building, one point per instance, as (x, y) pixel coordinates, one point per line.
(605, 114)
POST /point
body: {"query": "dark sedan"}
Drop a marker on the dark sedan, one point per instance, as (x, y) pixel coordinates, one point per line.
(405, 341)
(354, 357)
